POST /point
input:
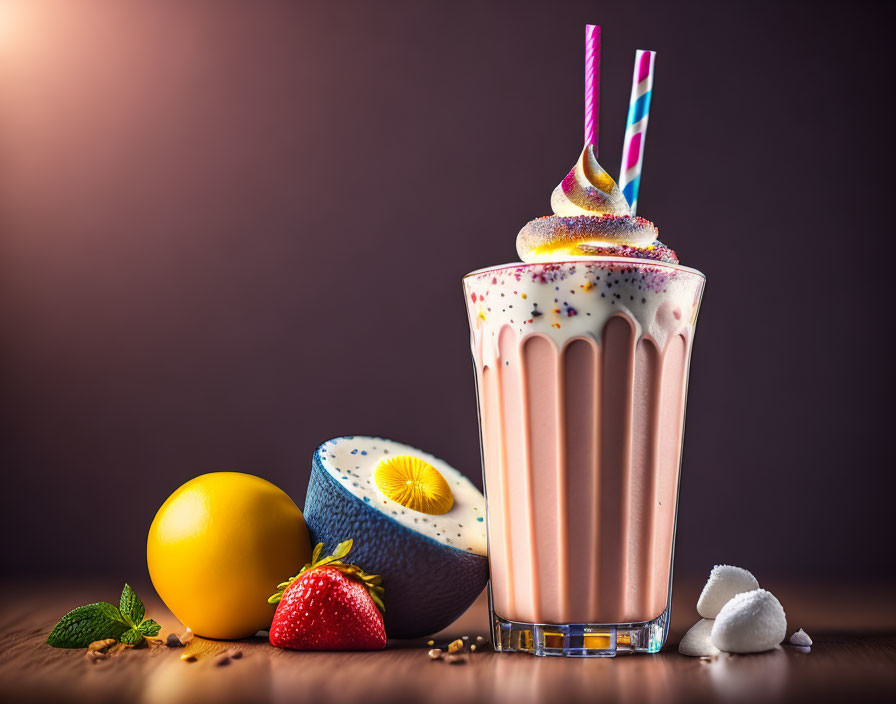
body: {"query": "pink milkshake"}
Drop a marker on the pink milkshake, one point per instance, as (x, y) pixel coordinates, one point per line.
(581, 356)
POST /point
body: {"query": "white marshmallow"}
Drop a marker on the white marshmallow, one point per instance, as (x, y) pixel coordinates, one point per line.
(801, 638)
(724, 582)
(751, 622)
(696, 642)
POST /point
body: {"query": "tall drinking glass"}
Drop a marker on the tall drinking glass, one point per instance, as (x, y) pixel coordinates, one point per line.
(581, 376)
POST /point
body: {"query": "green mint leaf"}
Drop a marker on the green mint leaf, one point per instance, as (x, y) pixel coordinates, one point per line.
(131, 607)
(149, 628)
(81, 626)
(132, 636)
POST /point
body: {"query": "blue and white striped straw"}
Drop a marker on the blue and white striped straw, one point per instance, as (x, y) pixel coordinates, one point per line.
(636, 127)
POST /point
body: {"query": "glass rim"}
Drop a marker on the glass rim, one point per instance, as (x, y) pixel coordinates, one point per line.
(612, 260)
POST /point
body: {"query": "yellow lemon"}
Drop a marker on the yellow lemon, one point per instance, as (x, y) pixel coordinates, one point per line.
(219, 546)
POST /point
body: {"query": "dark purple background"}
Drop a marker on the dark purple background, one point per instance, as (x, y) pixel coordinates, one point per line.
(231, 231)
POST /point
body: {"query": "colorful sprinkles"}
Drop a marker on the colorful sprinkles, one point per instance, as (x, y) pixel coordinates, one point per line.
(576, 298)
(555, 238)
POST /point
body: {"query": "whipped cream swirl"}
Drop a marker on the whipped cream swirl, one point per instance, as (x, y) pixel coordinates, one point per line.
(591, 219)
(588, 190)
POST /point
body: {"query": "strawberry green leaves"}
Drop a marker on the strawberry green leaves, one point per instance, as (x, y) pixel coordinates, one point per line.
(372, 582)
(86, 624)
(343, 549)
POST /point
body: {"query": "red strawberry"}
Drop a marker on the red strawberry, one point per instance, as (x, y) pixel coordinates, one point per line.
(329, 605)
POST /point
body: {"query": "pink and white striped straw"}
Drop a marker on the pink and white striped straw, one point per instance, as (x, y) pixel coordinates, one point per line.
(592, 83)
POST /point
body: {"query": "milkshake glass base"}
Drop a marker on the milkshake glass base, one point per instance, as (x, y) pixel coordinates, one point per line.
(579, 640)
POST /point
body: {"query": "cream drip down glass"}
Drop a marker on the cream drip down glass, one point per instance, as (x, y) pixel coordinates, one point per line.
(581, 358)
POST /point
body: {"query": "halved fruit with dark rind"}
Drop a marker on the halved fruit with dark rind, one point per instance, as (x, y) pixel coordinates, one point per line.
(433, 565)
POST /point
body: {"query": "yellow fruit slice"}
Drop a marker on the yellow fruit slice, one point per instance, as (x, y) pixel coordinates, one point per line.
(414, 484)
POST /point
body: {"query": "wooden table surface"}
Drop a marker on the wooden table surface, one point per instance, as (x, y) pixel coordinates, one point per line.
(853, 659)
